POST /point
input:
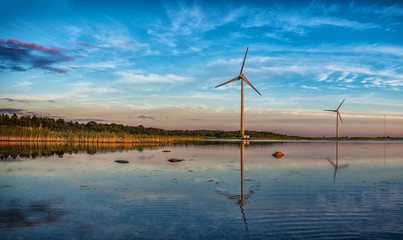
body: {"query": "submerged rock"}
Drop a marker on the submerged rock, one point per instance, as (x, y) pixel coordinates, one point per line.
(175, 160)
(60, 154)
(278, 154)
(122, 161)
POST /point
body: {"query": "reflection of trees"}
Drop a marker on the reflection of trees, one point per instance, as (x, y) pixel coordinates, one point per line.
(336, 165)
(241, 199)
(46, 149)
(234, 143)
(38, 149)
(19, 215)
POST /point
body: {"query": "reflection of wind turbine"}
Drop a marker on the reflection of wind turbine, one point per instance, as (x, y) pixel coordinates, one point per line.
(242, 201)
(336, 165)
(337, 118)
(252, 189)
(242, 78)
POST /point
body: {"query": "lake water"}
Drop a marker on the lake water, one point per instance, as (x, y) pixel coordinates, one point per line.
(222, 190)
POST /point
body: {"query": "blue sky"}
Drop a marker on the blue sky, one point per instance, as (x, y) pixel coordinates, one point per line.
(156, 63)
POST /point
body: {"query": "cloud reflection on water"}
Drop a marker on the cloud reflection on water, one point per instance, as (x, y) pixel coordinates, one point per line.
(18, 213)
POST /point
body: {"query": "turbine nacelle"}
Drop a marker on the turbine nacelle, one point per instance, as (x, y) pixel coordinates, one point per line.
(337, 111)
(338, 114)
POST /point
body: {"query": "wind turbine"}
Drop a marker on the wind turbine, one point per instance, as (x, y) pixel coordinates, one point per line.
(242, 78)
(337, 117)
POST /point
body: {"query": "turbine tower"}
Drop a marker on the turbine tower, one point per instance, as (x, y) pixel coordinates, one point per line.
(337, 118)
(242, 78)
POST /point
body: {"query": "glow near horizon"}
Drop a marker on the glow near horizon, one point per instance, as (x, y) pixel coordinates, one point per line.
(157, 63)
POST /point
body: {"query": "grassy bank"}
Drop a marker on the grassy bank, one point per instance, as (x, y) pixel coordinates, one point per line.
(29, 134)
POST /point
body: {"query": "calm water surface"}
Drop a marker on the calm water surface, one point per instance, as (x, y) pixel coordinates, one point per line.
(349, 190)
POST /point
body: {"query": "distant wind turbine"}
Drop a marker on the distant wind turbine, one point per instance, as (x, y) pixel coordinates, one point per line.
(242, 78)
(337, 117)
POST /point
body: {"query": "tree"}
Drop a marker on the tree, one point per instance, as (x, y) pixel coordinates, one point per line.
(25, 121)
(14, 120)
(35, 122)
(61, 124)
(4, 119)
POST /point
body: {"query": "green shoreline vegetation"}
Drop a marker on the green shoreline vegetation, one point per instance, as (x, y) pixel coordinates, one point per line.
(44, 129)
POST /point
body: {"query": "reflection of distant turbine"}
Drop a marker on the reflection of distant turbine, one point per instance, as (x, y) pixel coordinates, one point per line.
(336, 165)
(242, 78)
(337, 118)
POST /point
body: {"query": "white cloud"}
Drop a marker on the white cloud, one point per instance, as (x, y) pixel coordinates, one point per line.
(225, 62)
(348, 49)
(337, 22)
(297, 21)
(26, 84)
(333, 65)
(80, 88)
(128, 77)
(99, 65)
(102, 38)
(188, 19)
(311, 88)
(118, 36)
(384, 11)
(384, 77)
(183, 32)
(375, 49)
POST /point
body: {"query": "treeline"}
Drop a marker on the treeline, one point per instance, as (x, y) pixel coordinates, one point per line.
(43, 129)
(54, 130)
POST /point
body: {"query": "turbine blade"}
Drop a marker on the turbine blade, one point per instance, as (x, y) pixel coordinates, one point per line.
(341, 104)
(344, 166)
(232, 80)
(330, 110)
(340, 118)
(250, 84)
(330, 161)
(243, 64)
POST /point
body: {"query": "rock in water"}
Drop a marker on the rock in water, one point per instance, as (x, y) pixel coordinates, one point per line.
(278, 154)
(175, 160)
(122, 161)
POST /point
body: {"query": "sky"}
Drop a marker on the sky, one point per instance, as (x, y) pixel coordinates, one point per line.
(156, 63)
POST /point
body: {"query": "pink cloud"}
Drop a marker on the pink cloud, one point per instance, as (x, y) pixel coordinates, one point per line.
(85, 44)
(127, 44)
(17, 42)
(19, 56)
(59, 70)
(68, 58)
